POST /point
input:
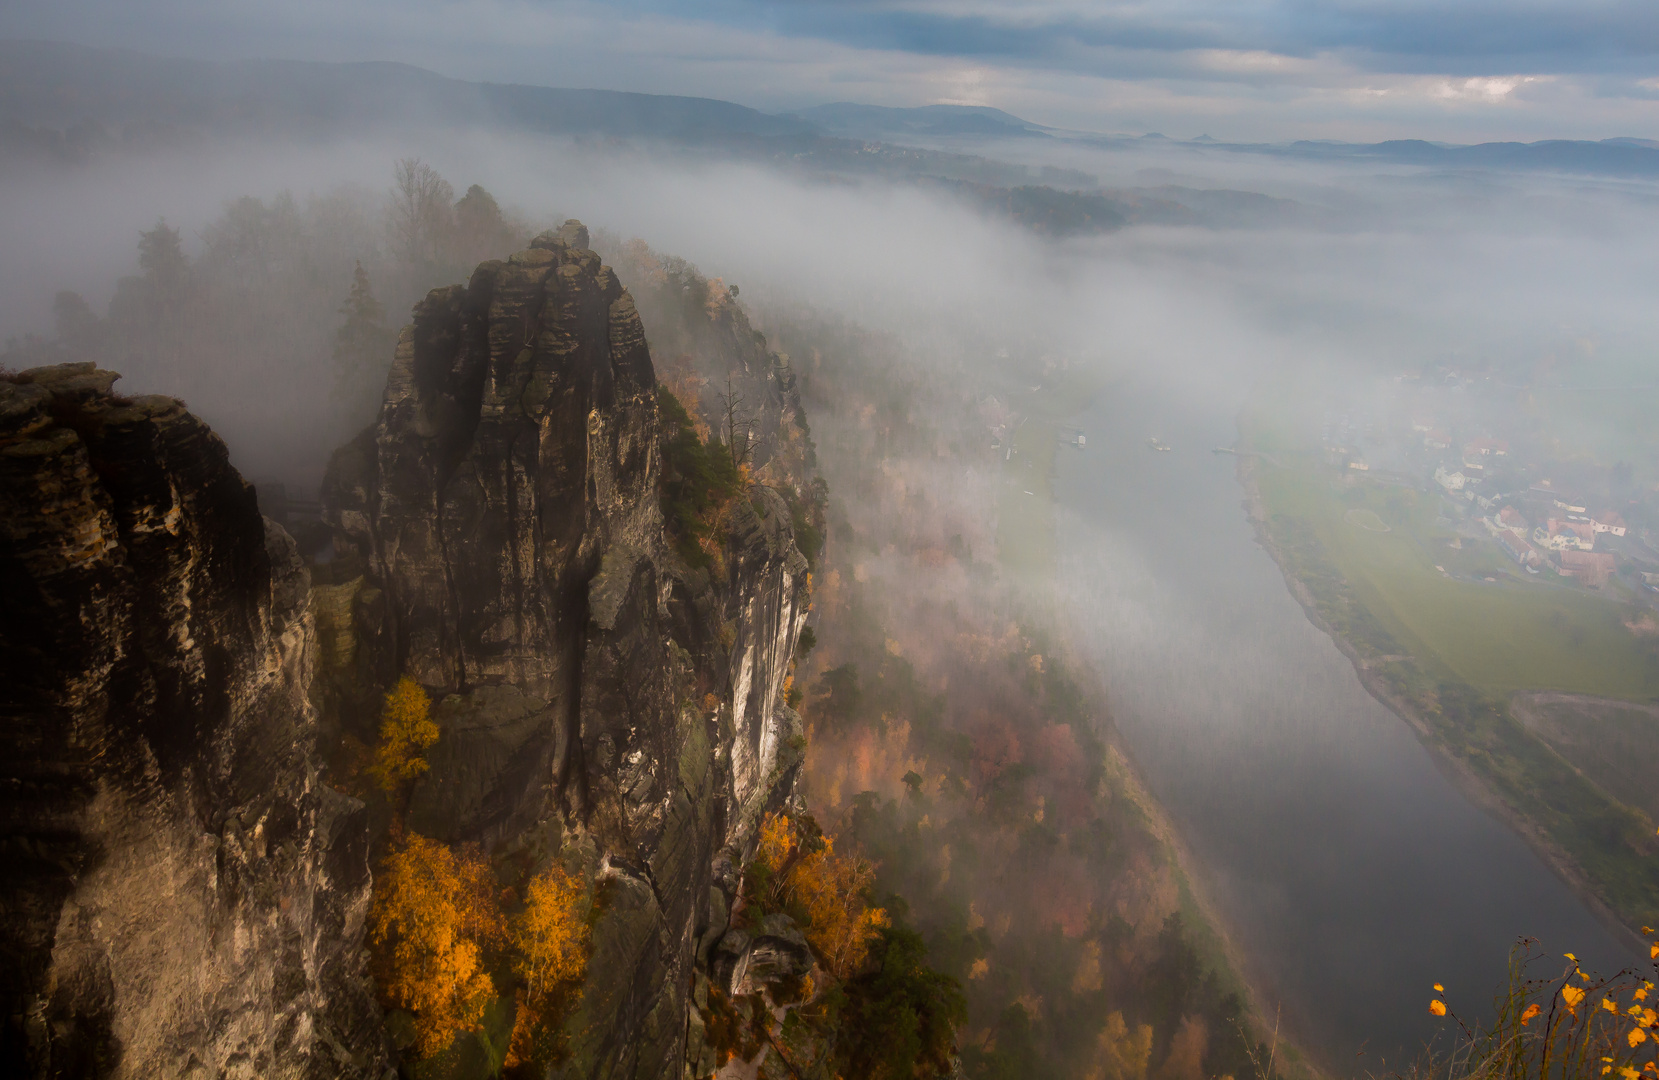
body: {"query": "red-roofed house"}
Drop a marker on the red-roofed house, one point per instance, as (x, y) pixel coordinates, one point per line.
(1518, 548)
(1510, 518)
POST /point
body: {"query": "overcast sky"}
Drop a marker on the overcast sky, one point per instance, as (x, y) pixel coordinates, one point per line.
(1457, 70)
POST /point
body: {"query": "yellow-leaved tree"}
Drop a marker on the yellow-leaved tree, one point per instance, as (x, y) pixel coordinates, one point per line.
(804, 872)
(550, 942)
(1122, 1054)
(841, 926)
(434, 914)
(406, 731)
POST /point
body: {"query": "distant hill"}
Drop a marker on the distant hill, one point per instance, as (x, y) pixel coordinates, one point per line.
(59, 86)
(1608, 157)
(852, 121)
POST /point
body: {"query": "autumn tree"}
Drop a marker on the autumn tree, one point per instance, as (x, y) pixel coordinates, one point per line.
(549, 939)
(681, 379)
(1121, 1053)
(841, 925)
(434, 914)
(798, 869)
(406, 731)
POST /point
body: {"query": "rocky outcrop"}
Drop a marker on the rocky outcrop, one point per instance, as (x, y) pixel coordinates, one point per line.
(181, 896)
(505, 512)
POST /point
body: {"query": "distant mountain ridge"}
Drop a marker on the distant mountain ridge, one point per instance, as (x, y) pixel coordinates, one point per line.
(1608, 157)
(58, 85)
(59, 88)
(852, 120)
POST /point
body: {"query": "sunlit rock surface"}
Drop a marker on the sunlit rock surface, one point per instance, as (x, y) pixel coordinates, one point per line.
(505, 508)
(180, 896)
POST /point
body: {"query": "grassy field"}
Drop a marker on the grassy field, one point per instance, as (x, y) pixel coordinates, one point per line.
(1513, 632)
(1617, 744)
(1025, 501)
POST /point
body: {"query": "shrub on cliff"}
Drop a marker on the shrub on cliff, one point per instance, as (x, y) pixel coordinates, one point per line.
(900, 1017)
(699, 481)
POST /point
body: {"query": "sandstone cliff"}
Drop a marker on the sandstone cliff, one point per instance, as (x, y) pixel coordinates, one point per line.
(181, 896)
(596, 695)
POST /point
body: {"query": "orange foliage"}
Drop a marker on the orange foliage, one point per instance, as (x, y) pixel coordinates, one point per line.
(434, 911)
(1123, 1054)
(841, 926)
(550, 934)
(777, 841)
(406, 731)
(829, 890)
(550, 938)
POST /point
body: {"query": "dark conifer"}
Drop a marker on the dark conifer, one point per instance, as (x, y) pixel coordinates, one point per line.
(362, 344)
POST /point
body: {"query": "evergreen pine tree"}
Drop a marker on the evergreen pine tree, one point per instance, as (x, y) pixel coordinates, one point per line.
(362, 345)
(161, 262)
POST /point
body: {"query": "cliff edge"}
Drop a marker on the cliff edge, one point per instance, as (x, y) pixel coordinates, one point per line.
(182, 897)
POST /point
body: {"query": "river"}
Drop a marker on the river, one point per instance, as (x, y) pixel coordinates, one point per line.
(1348, 869)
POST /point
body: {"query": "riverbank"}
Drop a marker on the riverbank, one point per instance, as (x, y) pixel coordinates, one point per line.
(1289, 1056)
(1591, 842)
(1027, 553)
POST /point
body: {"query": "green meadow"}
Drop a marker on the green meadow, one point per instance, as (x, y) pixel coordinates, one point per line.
(1025, 499)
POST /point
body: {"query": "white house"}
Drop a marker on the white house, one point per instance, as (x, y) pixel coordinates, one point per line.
(1608, 522)
(1451, 481)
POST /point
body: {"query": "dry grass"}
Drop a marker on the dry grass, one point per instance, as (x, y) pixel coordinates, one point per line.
(1567, 1026)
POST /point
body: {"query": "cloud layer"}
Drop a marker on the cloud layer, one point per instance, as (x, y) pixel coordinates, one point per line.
(1461, 70)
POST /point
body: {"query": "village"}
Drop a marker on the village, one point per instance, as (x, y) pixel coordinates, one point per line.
(1500, 475)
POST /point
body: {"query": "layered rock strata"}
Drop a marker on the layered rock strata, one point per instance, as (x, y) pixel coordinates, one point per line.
(505, 511)
(181, 896)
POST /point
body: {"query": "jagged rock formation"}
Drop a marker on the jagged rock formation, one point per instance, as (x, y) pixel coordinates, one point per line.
(505, 511)
(181, 897)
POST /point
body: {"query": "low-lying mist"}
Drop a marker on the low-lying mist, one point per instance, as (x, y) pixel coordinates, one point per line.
(1496, 267)
(1404, 272)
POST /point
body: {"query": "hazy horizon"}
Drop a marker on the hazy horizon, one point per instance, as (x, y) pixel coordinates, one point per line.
(1273, 71)
(1358, 327)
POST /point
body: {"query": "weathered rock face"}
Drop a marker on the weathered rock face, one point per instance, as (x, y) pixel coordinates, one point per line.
(505, 507)
(181, 897)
